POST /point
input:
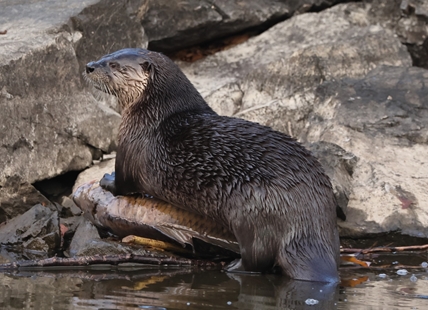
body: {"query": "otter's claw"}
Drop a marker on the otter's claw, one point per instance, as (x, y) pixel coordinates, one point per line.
(237, 267)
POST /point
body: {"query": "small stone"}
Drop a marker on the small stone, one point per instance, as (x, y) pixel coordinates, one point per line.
(402, 272)
(229, 303)
(311, 301)
(424, 265)
(382, 275)
(413, 278)
(70, 207)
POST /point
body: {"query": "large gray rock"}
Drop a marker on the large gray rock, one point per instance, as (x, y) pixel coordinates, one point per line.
(50, 123)
(265, 78)
(171, 25)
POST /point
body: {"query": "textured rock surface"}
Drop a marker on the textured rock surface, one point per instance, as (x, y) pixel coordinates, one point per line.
(36, 229)
(16, 197)
(382, 118)
(176, 24)
(86, 233)
(273, 70)
(408, 19)
(49, 123)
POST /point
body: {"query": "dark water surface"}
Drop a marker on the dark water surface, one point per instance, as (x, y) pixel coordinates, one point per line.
(178, 288)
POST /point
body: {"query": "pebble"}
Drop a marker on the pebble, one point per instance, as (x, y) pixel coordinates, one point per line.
(311, 301)
(402, 272)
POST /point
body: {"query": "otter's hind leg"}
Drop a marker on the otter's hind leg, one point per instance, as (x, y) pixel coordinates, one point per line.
(257, 253)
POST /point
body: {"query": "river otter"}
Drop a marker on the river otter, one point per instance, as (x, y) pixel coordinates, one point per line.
(262, 184)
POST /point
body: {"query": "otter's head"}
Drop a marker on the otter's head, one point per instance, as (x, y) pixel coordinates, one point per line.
(124, 74)
(147, 81)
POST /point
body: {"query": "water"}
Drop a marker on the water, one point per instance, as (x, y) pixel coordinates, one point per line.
(178, 288)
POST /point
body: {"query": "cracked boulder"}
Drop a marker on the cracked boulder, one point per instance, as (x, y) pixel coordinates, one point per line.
(197, 22)
(50, 123)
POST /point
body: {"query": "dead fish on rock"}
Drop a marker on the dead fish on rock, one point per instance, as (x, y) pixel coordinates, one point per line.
(154, 219)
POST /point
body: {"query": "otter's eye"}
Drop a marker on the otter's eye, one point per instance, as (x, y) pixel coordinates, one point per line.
(113, 65)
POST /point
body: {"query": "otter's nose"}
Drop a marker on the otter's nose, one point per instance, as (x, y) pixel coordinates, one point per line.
(90, 67)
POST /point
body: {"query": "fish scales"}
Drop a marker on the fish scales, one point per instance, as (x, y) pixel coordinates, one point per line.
(150, 218)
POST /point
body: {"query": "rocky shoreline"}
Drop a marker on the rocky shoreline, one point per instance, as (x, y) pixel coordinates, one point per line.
(347, 80)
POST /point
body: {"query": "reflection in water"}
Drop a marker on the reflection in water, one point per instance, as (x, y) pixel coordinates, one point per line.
(276, 292)
(145, 288)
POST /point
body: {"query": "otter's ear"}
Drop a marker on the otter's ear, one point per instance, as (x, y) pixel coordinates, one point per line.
(148, 67)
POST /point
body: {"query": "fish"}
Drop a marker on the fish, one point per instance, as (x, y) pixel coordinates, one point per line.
(152, 218)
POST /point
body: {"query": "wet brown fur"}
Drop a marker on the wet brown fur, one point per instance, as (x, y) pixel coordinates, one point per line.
(262, 184)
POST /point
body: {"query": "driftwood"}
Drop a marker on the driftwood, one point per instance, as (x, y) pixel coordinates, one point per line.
(107, 259)
(385, 249)
(177, 261)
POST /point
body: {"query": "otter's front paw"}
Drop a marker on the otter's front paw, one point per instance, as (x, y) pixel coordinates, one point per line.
(108, 183)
